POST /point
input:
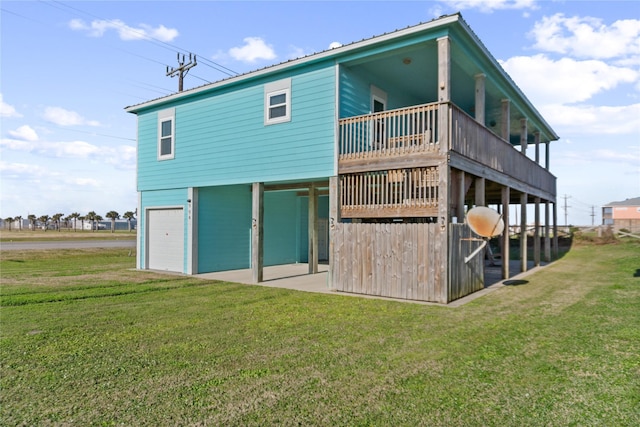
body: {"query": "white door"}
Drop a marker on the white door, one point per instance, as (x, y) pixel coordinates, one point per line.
(165, 244)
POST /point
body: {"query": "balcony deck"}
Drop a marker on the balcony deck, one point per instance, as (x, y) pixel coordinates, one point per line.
(388, 161)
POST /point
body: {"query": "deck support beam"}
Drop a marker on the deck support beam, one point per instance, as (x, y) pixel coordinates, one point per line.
(334, 219)
(536, 233)
(506, 191)
(313, 229)
(555, 230)
(547, 233)
(523, 232)
(257, 231)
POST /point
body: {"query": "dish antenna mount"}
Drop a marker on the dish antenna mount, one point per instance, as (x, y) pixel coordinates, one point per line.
(486, 223)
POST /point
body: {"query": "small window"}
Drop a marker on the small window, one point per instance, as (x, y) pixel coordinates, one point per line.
(277, 102)
(166, 135)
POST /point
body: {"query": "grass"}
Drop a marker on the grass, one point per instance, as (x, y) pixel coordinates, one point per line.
(87, 341)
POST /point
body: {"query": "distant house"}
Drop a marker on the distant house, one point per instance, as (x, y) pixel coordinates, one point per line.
(368, 155)
(623, 215)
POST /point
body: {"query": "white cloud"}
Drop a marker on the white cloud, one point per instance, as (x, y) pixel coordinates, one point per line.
(547, 81)
(22, 171)
(296, 52)
(587, 37)
(488, 6)
(73, 149)
(254, 49)
(25, 133)
(122, 157)
(334, 45)
(591, 120)
(7, 110)
(98, 28)
(62, 117)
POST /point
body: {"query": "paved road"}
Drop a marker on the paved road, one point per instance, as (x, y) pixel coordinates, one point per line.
(67, 244)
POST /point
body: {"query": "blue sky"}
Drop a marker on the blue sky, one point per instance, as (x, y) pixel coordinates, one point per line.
(68, 69)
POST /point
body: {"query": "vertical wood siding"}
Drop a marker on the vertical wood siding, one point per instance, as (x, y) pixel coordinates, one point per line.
(389, 260)
(464, 278)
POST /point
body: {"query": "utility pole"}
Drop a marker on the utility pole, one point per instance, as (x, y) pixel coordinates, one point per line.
(593, 215)
(182, 70)
(566, 211)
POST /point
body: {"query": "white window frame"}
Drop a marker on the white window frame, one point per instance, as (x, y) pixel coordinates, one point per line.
(163, 117)
(280, 87)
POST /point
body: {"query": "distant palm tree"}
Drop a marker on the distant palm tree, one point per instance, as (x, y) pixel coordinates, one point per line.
(8, 220)
(74, 216)
(128, 215)
(91, 216)
(82, 218)
(44, 219)
(56, 220)
(32, 221)
(97, 220)
(113, 215)
(19, 219)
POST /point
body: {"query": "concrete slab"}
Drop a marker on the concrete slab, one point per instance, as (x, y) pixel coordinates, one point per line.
(296, 277)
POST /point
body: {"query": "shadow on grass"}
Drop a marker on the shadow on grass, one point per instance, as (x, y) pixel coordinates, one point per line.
(637, 273)
(515, 282)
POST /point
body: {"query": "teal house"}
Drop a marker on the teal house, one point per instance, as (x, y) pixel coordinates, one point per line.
(366, 156)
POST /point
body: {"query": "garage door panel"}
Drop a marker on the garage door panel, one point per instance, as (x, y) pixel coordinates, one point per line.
(166, 239)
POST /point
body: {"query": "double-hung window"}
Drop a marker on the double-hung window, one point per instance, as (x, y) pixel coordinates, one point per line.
(166, 134)
(277, 102)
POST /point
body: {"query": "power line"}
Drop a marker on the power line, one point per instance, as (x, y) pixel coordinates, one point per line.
(218, 67)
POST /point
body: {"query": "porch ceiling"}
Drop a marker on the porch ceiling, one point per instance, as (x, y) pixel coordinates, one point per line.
(413, 71)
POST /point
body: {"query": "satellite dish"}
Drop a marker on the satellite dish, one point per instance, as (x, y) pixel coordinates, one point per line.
(485, 222)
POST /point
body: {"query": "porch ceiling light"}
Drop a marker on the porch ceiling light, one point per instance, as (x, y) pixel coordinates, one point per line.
(406, 61)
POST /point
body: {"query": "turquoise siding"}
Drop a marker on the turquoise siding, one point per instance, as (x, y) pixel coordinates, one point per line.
(281, 236)
(355, 93)
(224, 228)
(303, 223)
(221, 138)
(159, 199)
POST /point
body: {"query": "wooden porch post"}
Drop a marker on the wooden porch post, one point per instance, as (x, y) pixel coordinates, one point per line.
(313, 229)
(536, 234)
(536, 141)
(523, 232)
(523, 136)
(444, 171)
(480, 98)
(546, 155)
(257, 231)
(334, 219)
(506, 119)
(505, 235)
(461, 196)
(480, 192)
(547, 233)
(555, 230)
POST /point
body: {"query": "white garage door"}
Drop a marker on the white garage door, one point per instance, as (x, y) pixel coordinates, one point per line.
(166, 239)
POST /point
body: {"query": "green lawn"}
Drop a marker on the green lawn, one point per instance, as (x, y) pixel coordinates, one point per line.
(87, 341)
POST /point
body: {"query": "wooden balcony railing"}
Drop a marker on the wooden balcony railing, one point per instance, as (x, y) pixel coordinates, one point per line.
(389, 133)
(393, 193)
(474, 141)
